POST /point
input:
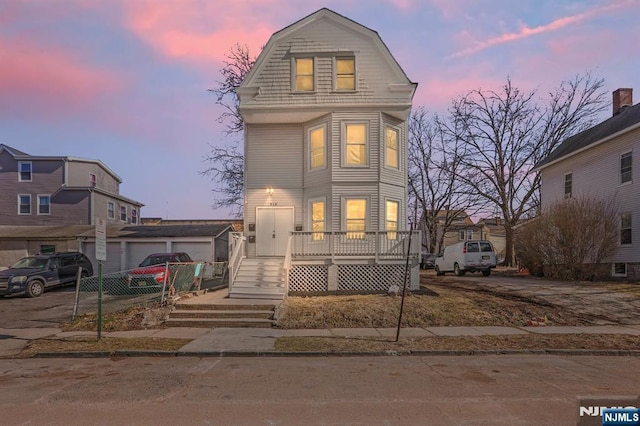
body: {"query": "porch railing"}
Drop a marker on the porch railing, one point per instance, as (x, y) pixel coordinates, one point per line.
(236, 254)
(287, 265)
(380, 245)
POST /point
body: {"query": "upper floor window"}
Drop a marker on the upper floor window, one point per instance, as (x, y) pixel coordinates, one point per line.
(304, 78)
(392, 216)
(345, 74)
(134, 216)
(123, 213)
(24, 204)
(24, 171)
(626, 168)
(111, 210)
(318, 220)
(625, 228)
(355, 145)
(44, 204)
(92, 180)
(317, 148)
(356, 217)
(391, 158)
(568, 182)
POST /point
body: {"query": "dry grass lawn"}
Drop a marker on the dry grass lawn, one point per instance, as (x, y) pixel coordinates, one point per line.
(439, 307)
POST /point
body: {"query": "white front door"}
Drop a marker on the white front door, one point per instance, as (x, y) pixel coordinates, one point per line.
(273, 225)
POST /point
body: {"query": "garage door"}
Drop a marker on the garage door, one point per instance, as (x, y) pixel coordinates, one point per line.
(199, 251)
(137, 251)
(113, 257)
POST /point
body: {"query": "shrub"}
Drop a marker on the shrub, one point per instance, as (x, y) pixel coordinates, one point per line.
(571, 240)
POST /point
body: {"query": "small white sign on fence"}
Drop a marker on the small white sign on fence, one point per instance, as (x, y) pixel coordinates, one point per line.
(101, 239)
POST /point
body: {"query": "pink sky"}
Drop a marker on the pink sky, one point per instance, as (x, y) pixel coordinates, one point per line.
(96, 79)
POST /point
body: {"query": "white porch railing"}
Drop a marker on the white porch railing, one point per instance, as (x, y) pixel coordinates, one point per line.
(287, 265)
(236, 254)
(379, 245)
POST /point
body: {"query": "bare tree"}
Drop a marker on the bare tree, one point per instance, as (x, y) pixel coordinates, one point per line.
(506, 133)
(225, 160)
(438, 197)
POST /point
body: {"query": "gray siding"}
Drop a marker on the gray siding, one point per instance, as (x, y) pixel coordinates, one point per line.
(324, 40)
(79, 175)
(596, 172)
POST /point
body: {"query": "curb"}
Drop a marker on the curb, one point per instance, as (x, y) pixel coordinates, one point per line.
(225, 354)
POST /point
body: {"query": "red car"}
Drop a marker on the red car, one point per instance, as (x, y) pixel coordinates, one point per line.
(151, 272)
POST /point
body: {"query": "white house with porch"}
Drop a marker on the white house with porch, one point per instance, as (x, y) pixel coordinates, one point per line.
(325, 109)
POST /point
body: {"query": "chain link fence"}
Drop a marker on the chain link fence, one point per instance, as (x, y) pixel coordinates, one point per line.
(146, 286)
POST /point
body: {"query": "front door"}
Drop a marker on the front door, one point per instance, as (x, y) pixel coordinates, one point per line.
(273, 225)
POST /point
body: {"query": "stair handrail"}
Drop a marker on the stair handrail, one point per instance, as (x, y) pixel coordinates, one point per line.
(287, 265)
(236, 250)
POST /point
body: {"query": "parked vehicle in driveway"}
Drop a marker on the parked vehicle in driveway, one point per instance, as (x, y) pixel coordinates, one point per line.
(428, 261)
(32, 275)
(467, 256)
(150, 275)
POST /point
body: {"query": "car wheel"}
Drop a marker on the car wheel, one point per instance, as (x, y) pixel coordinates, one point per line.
(438, 271)
(35, 288)
(486, 272)
(84, 274)
(457, 271)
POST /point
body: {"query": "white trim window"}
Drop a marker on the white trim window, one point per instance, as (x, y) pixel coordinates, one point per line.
(626, 168)
(625, 229)
(619, 270)
(355, 217)
(345, 73)
(318, 148)
(318, 218)
(391, 148)
(134, 216)
(111, 210)
(355, 145)
(25, 171)
(392, 215)
(44, 204)
(24, 204)
(469, 234)
(461, 235)
(568, 184)
(123, 213)
(304, 74)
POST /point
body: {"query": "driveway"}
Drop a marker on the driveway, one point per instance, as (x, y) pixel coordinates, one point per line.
(50, 309)
(601, 302)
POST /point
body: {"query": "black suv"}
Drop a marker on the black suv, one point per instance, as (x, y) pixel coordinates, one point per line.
(31, 275)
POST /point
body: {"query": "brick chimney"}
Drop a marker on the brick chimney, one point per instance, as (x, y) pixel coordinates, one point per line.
(622, 98)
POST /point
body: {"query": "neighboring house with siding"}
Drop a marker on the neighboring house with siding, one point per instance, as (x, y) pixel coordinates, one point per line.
(325, 109)
(600, 162)
(53, 190)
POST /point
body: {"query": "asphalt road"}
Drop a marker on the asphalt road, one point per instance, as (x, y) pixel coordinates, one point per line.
(434, 390)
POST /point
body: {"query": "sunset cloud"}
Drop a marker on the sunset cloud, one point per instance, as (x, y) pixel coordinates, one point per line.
(555, 25)
(37, 78)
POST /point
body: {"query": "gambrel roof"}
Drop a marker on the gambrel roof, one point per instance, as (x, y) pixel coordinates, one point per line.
(267, 94)
(626, 120)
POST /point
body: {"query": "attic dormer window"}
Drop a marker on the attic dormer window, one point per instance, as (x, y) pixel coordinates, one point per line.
(345, 73)
(304, 75)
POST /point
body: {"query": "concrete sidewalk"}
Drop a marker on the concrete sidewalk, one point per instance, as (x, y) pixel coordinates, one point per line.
(257, 341)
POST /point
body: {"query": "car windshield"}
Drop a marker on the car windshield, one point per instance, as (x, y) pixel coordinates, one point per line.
(30, 263)
(155, 260)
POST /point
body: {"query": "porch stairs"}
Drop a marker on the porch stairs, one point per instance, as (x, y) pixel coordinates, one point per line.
(223, 313)
(261, 278)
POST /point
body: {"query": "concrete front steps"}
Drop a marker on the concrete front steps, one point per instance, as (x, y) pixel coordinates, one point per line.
(261, 278)
(222, 314)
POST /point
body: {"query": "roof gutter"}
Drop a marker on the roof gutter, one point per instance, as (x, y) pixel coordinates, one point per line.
(601, 141)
